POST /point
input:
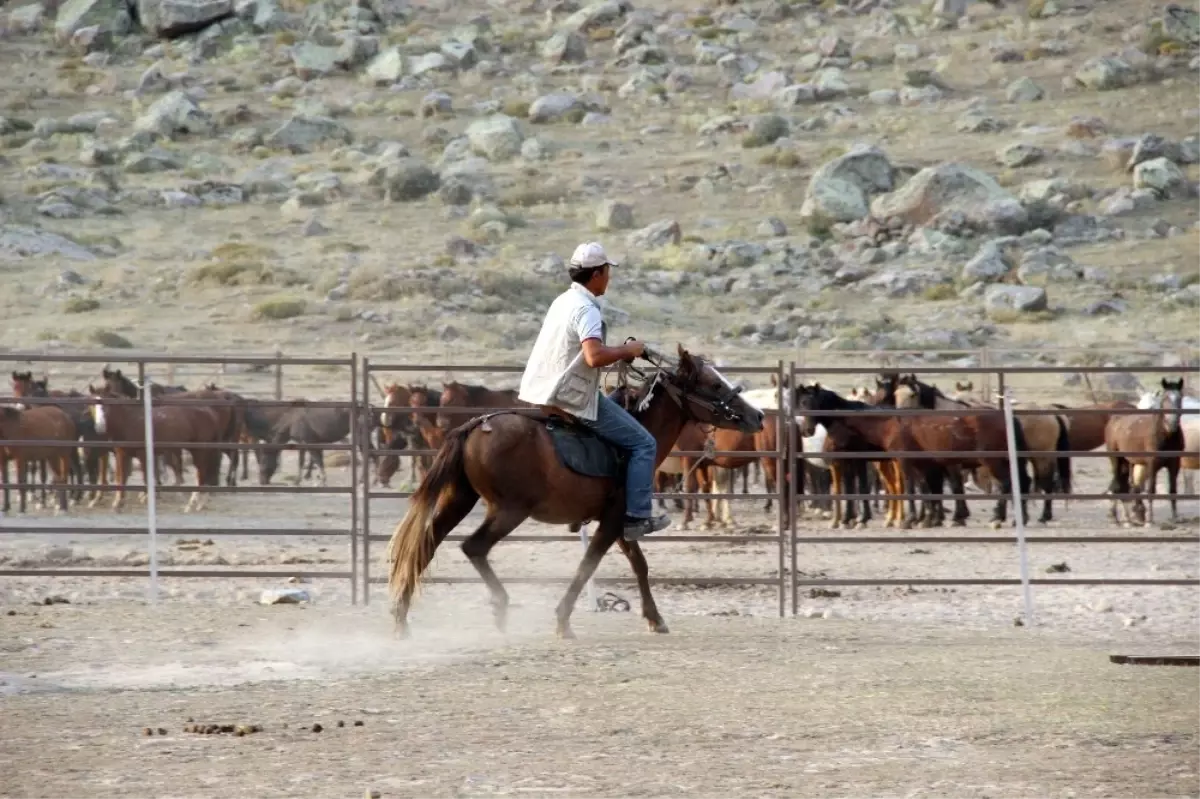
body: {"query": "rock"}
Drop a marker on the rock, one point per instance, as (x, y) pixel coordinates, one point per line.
(565, 47)
(284, 596)
(404, 180)
(1020, 154)
(652, 237)
(1105, 73)
(1182, 24)
(765, 129)
(461, 55)
(1149, 147)
(174, 114)
(22, 241)
(764, 87)
(1004, 298)
(553, 107)
(1162, 176)
(831, 84)
(386, 68)
(27, 19)
(595, 16)
(884, 97)
(840, 190)
(924, 95)
(310, 61)
(1187, 297)
(303, 134)
(796, 94)
(1107, 307)
(108, 17)
(155, 160)
(170, 18)
(437, 104)
(970, 194)
(990, 264)
(431, 62)
(772, 227)
(613, 215)
(1046, 265)
(1024, 90)
(497, 138)
(979, 122)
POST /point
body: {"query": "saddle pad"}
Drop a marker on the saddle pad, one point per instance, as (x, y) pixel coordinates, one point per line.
(583, 452)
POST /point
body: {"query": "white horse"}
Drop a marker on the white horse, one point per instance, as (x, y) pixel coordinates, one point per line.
(1189, 423)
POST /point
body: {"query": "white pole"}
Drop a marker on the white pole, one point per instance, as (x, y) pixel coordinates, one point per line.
(1014, 472)
(591, 586)
(151, 492)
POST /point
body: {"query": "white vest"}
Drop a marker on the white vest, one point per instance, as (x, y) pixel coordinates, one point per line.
(556, 373)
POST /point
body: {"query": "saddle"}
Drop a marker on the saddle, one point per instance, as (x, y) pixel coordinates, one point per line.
(582, 451)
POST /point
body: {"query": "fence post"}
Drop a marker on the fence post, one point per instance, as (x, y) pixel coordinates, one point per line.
(151, 481)
(279, 374)
(591, 584)
(365, 488)
(355, 433)
(781, 495)
(1014, 471)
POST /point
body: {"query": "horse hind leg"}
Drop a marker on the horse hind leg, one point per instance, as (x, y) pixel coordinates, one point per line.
(498, 523)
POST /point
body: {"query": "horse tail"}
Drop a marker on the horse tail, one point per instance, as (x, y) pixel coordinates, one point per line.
(1064, 463)
(413, 541)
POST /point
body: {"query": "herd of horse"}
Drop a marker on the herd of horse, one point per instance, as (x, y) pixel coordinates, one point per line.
(820, 422)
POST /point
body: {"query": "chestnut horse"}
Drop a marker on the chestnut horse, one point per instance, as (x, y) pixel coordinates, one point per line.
(459, 395)
(510, 460)
(1161, 433)
(118, 385)
(875, 431)
(47, 423)
(174, 428)
(23, 385)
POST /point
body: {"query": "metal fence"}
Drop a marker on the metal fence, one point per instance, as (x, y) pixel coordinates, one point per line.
(354, 396)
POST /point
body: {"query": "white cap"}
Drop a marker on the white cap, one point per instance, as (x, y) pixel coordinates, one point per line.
(590, 254)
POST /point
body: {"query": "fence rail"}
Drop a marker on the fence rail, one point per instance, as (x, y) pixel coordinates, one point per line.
(354, 394)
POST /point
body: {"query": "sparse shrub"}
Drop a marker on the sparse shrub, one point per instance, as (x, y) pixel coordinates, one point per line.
(237, 263)
(279, 308)
(939, 292)
(700, 21)
(80, 305)
(819, 226)
(602, 34)
(518, 109)
(530, 195)
(107, 338)
(1035, 8)
(784, 159)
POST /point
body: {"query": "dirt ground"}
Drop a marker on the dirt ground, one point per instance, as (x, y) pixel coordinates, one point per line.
(907, 690)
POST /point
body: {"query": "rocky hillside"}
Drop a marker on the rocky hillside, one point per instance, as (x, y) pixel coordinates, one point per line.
(406, 178)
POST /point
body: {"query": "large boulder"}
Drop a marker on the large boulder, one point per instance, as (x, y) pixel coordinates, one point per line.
(404, 180)
(840, 190)
(174, 114)
(1161, 176)
(1003, 299)
(972, 196)
(111, 16)
(304, 133)
(170, 18)
(496, 138)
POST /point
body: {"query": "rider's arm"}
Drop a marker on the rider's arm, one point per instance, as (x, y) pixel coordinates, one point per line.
(597, 356)
(589, 326)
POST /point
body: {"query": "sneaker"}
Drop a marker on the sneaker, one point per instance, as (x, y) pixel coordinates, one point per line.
(636, 528)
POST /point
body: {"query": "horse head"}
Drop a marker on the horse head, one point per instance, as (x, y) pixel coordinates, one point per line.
(1171, 399)
(703, 394)
(809, 401)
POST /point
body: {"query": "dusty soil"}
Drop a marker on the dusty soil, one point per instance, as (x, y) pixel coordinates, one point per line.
(730, 706)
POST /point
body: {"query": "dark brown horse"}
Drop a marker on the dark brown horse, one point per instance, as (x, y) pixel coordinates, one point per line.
(1160, 433)
(46, 423)
(510, 460)
(174, 428)
(876, 431)
(117, 384)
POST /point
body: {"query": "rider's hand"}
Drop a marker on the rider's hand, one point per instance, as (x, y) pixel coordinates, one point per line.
(634, 349)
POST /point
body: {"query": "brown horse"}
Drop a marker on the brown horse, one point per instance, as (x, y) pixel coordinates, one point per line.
(510, 460)
(1043, 433)
(459, 395)
(174, 428)
(46, 423)
(874, 431)
(1160, 433)
(117, 384)
(230, 410)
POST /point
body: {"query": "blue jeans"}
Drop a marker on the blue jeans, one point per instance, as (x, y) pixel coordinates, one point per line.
(614, 424)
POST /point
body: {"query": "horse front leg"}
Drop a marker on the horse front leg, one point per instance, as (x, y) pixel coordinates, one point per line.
(835, 491)
(124, 460)
(641, 570)
(1173, 488)
(23, 478)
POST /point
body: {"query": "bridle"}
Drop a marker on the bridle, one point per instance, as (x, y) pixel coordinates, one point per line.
(685, 396)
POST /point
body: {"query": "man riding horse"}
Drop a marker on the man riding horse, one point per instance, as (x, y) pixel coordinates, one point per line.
(563, 376)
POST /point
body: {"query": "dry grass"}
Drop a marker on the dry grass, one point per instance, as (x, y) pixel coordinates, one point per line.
(180, 269)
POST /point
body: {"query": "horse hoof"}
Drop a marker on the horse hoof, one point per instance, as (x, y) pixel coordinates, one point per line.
(835, 524)
(566, 633)
(658, 627)
(997, 524)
